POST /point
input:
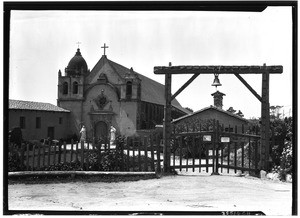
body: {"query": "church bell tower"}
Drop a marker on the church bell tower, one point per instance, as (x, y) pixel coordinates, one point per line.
(71, 89)
(70, 86)
(131, 89)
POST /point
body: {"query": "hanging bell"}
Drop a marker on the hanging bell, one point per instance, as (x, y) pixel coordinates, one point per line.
(216, 81)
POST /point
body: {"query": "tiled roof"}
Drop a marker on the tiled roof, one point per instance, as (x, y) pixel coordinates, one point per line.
(152, 91)
(31, 105)
(212, 108)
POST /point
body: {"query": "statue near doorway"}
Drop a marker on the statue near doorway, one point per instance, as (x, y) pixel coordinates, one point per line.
(83, 134)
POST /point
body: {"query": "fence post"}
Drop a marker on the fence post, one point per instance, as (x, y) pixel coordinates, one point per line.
(152, 153)
(249, 152)
(235, 152)
(145, 155)
(59, 152)
(82, 153)
(121, 144)
(27, 157)
(49, 155)
(71, 153)
(215, 147)
(99, 151)
(44, 151)
(65, 150)
(139, 153)
(158, 154)
(200, 147)
(22, 155)
(243, 151)
(127, 154)
(87, 156)
(39, 156)
(180, 153)
(33, 154)
(54, 148)
(77, 151)
(107, 143)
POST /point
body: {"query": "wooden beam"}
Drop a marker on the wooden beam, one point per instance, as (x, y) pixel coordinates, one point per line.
(249, 87)
(167, 123)
(184, 86)
(278, 69)
(265, 123)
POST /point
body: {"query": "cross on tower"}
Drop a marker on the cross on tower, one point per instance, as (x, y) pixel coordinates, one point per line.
(104, 47)
(78, 43)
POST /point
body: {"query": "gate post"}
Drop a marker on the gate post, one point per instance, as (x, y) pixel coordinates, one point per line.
(215, 147)
(265, 122)
(167, 123)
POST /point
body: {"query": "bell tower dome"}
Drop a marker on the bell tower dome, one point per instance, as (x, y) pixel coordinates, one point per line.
(77, 65)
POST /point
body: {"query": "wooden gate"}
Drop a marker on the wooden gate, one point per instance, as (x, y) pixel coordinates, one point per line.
(216, 151)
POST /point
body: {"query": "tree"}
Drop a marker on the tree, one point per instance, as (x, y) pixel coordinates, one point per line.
(275, 112)
(282, 150)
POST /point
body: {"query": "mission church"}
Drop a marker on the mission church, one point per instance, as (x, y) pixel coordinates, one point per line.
(111, 96)
(108, 98)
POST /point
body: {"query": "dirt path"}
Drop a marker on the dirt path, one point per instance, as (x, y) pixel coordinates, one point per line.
(172, 193)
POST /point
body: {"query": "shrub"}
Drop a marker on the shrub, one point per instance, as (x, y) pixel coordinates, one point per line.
(282, 153)
(14, 160)
(15, 136)
(73, 166)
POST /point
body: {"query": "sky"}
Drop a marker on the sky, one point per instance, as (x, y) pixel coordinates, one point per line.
(43, 42)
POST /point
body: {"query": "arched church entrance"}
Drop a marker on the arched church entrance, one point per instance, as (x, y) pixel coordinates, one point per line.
(101, 130)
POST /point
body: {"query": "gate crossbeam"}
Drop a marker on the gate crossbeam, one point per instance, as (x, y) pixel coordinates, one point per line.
(277, 69)
(196, 70)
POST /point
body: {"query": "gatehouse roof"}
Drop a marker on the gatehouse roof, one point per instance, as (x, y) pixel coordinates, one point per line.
(210, 108)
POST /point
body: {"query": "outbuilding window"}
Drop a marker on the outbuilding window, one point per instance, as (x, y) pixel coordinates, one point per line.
(38, 122)
(22, 123)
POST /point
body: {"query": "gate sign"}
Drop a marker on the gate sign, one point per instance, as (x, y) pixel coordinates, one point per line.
(225, 139)
(207, 138)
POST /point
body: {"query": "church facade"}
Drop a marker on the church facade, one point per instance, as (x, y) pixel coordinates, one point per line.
(111, 96)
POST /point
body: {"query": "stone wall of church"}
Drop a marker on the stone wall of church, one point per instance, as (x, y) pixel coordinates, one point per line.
(108, 71)
(72, 93)
(102, 104)
(75, 116)
(127, 118)
(150, 115)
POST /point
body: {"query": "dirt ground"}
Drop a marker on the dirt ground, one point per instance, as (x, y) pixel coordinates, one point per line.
(185, 192)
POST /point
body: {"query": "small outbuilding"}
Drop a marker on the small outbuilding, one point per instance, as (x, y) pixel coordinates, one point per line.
(228, 118)
(38, 120)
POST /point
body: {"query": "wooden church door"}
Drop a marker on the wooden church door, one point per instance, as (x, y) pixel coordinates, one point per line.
(101, 130)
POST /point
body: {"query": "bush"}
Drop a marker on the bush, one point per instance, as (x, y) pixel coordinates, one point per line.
(112, 160)
(14, 160)
(73, 166)
(282, 153)
(15, 136)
